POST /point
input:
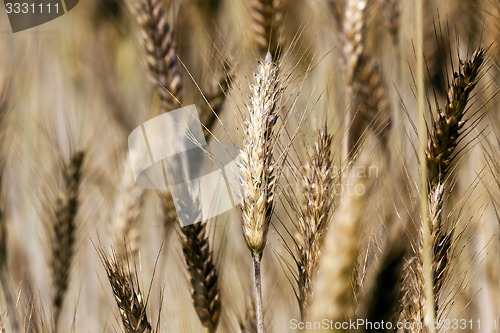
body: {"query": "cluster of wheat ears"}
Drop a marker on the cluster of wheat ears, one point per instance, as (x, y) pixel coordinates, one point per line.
(369, 166)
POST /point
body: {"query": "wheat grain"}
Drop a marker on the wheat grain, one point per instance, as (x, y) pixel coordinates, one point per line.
(352, 47)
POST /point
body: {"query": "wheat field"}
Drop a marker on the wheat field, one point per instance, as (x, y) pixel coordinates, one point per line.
(366, 161)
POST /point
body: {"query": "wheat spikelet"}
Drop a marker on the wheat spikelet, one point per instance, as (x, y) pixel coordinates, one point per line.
(160, 51)
(266, 25)
(317, 185)
(64, 229)
(440, 238)
(333, 297)
(203, 275)
(128, 295)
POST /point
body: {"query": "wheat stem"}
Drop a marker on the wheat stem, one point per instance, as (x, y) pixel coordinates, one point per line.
(259, 310)
(424, 208)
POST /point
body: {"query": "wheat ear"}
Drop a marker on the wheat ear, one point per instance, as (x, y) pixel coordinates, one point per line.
(317, 185)
(353, 47)
(128, 295)
(267, 20)
(203, 275)
(160, 51)
(64, 230)
(257, 169)
(126, 216)
(442, 141)
(333, 297)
